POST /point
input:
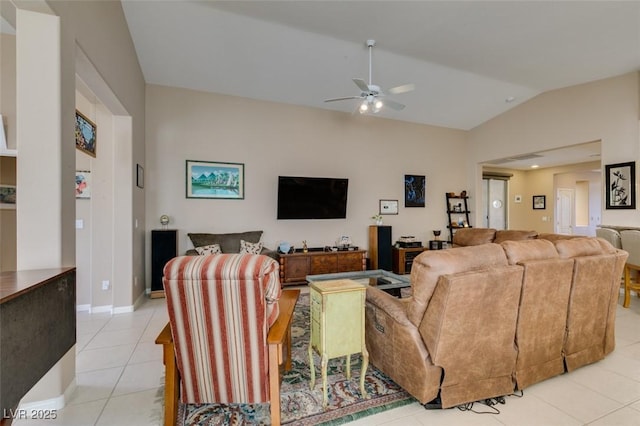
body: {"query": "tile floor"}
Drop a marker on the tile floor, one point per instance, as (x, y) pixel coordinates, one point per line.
(120, 382)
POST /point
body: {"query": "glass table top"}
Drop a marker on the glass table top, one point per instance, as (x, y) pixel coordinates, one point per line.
(377, 277)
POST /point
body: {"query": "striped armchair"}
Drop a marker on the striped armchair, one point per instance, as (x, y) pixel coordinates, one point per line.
(221, 309)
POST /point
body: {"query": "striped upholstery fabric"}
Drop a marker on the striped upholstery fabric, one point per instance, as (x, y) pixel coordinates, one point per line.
(220, 309)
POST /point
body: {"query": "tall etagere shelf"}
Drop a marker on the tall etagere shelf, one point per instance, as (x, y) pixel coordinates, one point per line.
(457, 212)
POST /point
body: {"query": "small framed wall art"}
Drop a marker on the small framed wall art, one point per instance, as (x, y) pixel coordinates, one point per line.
(388, 206)
(621, 183)
(7, 197)
(85, 134)
(539, 202)
(414, 190)
(83, 184)
(209, 179)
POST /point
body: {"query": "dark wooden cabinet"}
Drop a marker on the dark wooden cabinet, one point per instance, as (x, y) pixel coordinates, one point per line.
(295, 267)
(380, 247)
(164, 247)
(403, 259)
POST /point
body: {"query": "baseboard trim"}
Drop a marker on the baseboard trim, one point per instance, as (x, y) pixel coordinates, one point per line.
(50, 404)
(83, 308)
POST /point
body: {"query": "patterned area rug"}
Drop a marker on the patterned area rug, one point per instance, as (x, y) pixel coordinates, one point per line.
(301, 405)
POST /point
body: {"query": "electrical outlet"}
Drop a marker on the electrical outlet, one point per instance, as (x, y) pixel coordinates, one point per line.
(105, 284)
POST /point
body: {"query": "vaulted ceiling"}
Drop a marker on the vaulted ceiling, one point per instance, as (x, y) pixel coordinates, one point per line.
(466, 58)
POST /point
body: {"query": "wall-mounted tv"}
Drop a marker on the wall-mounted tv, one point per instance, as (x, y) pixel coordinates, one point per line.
(312, 198)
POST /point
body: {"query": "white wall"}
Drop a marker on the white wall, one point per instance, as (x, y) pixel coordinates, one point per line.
(275, 139)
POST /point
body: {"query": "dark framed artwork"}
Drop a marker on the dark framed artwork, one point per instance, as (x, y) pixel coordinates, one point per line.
(209, 179)
(414, 190)
(85, 134)
(539, 202)
(139, 176)
(621, 183)
(388, 206)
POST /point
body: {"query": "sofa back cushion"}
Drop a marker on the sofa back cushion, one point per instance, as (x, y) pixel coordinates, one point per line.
(524, 250)
(229, 243)
(579, 247)
(556, 237)
(473, 236)
(431, 264)
(514, 235)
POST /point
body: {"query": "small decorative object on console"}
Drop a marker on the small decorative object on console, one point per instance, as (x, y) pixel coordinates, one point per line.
(436, 234)
(408, 242)
(305, 249)
(344, 241)
(164, 221)
(284, 247)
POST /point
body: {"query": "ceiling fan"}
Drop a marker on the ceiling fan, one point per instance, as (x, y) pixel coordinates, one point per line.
(372, 96)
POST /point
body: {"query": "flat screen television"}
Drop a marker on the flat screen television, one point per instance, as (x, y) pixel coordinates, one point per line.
(312, 197)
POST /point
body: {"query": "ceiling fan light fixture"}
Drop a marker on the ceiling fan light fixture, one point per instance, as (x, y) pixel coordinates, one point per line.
(370, 93)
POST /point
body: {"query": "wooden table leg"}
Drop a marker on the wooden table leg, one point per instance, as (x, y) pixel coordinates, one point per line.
(627, 286)
(363, 371)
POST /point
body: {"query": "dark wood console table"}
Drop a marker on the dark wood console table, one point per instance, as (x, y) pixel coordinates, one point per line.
(38, 317)
(295, 267)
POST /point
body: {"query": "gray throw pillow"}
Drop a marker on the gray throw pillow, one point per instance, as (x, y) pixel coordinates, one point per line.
(229, 243)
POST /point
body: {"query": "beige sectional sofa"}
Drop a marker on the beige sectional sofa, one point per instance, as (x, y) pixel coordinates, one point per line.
(484, 320)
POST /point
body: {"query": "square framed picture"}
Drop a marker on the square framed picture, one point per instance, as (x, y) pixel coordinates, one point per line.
(621, 184)
(85, 134)
(210, 179)
(388, 206)
(539, 202)
(414, 190)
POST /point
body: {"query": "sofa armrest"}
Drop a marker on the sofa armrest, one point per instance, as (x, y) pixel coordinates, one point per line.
(395, 308)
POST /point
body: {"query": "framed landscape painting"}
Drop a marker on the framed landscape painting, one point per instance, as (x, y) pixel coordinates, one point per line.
(621, 184)
(208, 179)
(85, 134)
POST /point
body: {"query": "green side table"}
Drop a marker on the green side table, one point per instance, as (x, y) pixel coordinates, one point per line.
(337, 327)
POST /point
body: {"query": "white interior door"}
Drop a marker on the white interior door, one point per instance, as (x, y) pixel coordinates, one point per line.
(565, 211)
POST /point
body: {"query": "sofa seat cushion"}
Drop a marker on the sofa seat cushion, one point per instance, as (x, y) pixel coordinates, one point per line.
(229, 243)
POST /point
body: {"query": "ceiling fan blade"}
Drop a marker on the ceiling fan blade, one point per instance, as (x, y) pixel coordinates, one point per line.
(402, 89)
(393, 104)
(343, 99)
(361, 84)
